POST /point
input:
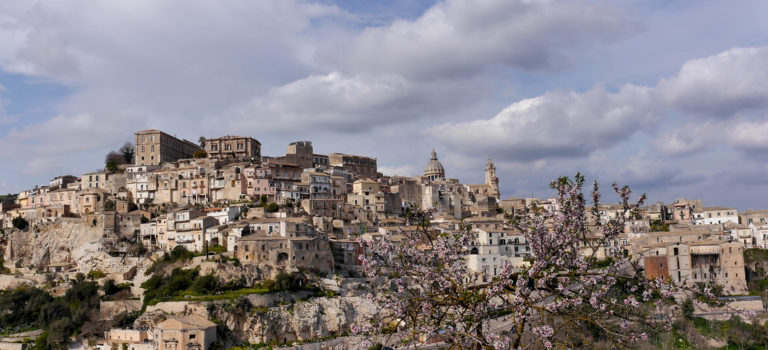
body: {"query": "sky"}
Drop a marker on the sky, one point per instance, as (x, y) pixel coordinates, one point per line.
(668, 97)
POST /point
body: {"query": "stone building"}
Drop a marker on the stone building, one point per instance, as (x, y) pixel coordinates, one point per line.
(491, 186)
(407, 188)
(682, 209)
(91, 200)
(229, 184)
(154, 147)
(364, 194)
(286, 253)
(299, 153)
(129, 339)
(111, 182)
(184, 332)
(357, 166)
(329, 207)
(233, 147)
(756, 217)
(318, 184)
(707, 261)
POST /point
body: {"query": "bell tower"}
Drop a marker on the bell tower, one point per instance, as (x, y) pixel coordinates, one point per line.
(490, 178)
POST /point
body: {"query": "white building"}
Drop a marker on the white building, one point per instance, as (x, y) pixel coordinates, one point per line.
(225, 215)
(759, 236)
(138, 183)
(715, 215)
(493, 250)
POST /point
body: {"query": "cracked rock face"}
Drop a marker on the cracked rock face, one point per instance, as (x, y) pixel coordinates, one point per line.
(67, 242)
(305, 320)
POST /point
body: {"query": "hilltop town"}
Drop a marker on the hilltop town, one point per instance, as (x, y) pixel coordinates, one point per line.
(274, 242)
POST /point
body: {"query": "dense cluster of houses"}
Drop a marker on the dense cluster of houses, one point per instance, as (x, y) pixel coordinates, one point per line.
(304, 210)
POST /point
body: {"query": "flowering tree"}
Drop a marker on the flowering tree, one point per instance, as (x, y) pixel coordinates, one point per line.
(562, 298)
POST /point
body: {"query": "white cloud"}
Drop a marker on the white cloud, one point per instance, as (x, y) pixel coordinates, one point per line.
(40, 148)
(562, 124)
(654, 173)
(462, 37)
(749, 136)
(557, 124)
(344, 103)
(721, 85)
(174, 57)
(693, 137)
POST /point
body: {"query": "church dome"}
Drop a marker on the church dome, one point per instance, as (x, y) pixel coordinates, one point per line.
(434, 169)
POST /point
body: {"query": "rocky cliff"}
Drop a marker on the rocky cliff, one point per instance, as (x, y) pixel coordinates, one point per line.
(304, 320)
(69, 243)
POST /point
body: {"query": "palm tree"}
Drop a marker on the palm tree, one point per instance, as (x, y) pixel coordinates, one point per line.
(128, 152)
(201, 140)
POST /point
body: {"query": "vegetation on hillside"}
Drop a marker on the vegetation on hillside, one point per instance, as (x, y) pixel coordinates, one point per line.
(190, 285)
(178, 254)
(60, 318)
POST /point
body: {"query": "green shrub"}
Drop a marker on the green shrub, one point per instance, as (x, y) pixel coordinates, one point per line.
(204, 284)
(96, 274)
(272, 207)
(20, 223)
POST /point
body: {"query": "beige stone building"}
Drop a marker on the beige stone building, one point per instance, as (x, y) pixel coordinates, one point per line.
(131, 339)
(682, 209)
(407, 188)
(329, 207)
(364, 194)
(358, 166)
(154, 147)
(229, 183)
(287, 253)
(91, 200)
(233, 147)
(184, 333)
(298, 153)
(709, 261)
(111, 182)
(756, 217)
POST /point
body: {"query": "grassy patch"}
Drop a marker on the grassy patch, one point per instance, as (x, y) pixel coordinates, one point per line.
(189, 285)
